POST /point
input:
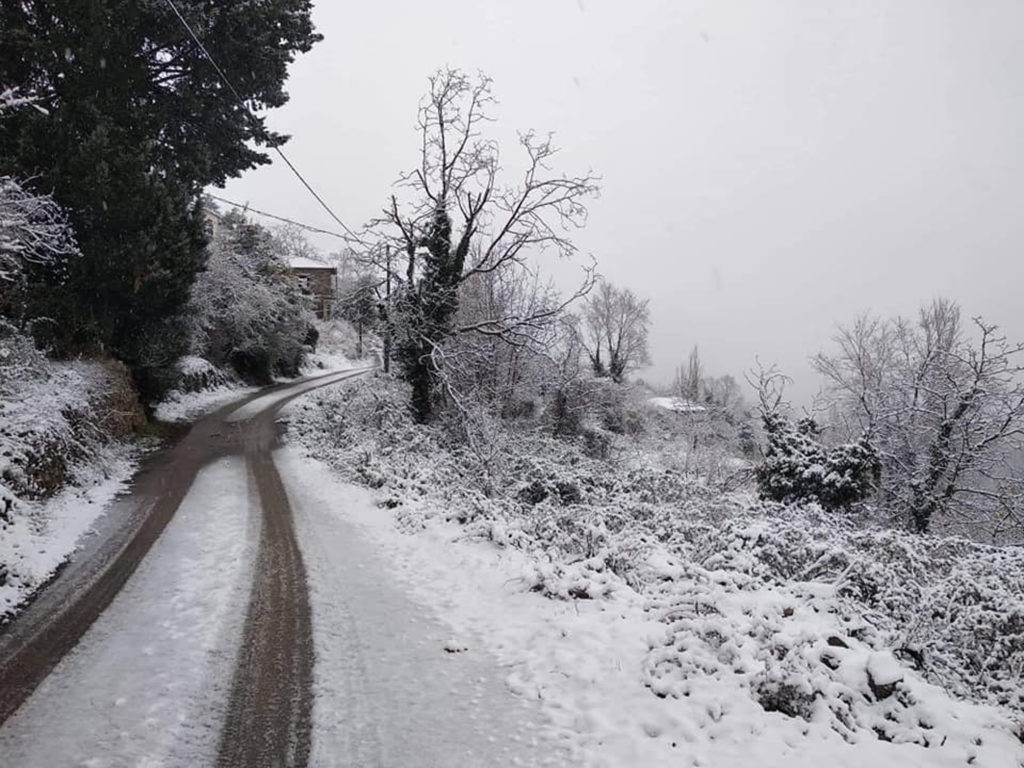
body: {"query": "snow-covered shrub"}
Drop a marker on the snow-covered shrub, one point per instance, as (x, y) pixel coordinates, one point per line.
(54, 415)
(59, 421)
(20, 360)
(62, 429)
(196, 375)
(950, 609)
(56, 419)
(791, 609)
(797, 468)
(246, 312)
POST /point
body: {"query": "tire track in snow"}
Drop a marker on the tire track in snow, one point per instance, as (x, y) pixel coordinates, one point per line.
(56, 625)
(268, 720)
(61, 613)
(147, 685)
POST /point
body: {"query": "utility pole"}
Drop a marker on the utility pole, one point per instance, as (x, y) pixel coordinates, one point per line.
(386, 310)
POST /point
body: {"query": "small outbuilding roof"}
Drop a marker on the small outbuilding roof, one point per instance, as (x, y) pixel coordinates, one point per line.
(300, 262)
(677, 404)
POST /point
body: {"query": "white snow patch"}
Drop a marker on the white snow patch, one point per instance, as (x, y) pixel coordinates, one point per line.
(193, 365)
(325, 362)
(189, 406)
(884, 669)
(584, 660)
(43, 534)
(148, 683)
(338, 348)
(677, 404)
(300, 262)
(392, 686)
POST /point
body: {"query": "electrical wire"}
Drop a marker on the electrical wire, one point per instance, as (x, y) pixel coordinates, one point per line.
(245, 106)
(246, 207)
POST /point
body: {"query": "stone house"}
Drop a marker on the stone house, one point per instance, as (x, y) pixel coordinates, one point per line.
(211, 222)
(319, 282)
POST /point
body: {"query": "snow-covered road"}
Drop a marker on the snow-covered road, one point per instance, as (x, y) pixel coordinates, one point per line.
(203, 656)
(392, 687)
(147, 685)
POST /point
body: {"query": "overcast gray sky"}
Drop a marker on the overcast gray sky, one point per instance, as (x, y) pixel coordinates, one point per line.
(769, 168)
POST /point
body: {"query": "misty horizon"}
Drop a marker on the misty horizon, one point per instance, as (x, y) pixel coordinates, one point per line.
(768, 171)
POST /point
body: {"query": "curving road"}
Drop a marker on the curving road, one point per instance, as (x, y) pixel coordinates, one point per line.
(229, 613)
(267, 718)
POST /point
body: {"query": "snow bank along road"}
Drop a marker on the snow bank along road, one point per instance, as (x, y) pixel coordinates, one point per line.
(171, 637)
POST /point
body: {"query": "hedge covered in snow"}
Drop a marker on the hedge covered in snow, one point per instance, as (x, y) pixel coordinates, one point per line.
(62, 431)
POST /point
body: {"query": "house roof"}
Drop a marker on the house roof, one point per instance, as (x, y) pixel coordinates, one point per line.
(677, 404)
(300, 262)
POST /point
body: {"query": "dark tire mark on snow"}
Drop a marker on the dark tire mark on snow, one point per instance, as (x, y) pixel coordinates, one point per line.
(269, 717)
(60, 613)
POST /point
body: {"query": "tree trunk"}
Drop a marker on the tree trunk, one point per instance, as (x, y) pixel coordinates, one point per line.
(419, 377)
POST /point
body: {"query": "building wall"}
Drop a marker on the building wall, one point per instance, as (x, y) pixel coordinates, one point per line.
(319, 285)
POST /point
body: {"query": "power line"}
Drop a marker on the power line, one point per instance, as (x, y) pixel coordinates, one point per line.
(247, 207)
(245, 106)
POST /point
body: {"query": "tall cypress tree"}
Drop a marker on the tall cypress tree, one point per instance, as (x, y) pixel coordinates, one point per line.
(134, 122)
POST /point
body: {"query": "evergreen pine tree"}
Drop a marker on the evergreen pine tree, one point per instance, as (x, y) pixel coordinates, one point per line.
(134, 123)
(797, 468)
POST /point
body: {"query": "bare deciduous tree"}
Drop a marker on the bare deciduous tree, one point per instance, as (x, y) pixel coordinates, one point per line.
(945, 408)
(614, 331)
(460, 223)
(690, 378)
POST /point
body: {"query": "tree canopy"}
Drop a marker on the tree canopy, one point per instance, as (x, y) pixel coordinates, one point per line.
(615, 325)
(131, 122)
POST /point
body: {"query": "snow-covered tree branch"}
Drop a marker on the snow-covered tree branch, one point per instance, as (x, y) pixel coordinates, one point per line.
(34, 231)
(460, 226)
(944, 404)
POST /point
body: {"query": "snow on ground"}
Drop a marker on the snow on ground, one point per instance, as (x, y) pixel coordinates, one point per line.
(393, 686)
(338, 348)
(189, 406)
(260, 404)
(623, 689)
(43, 534)
(148, 683)
(325, 362)
(677, 404)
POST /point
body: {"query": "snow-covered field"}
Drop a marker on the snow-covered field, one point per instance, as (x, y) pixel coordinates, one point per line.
(701, 632)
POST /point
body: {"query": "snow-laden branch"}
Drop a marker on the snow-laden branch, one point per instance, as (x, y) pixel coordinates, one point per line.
(34, 230)
(944, 405)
